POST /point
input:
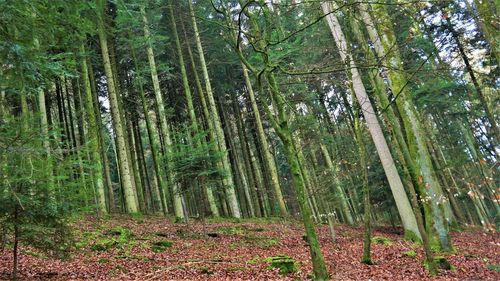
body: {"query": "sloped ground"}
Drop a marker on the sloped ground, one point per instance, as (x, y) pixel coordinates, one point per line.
(123, 248)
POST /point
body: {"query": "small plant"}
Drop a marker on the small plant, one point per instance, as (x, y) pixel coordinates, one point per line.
(104, 245)
(381, 240)
(161, 246)
(253, 261)
(410, 253)
(285, 264)
(494, 267)
(205, 270)
(231, 230)
(103, 260)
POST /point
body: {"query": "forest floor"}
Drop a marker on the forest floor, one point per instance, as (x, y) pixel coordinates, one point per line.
(153, 248)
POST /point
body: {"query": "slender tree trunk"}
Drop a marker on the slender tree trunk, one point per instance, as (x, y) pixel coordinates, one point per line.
(190, 107)
(384, 42)
(164, 129)
(229, 185)
(402, 202)
(97, 171)
(335, 170)
(488, 23)
(125, 173)
(268, 158)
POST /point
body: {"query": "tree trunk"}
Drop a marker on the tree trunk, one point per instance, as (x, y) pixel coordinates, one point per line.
(164, 129)
(92, 135)
(190, 107)
(402, 202)
(125, 173)
(384, 46)
(268, 158)
(229, 185)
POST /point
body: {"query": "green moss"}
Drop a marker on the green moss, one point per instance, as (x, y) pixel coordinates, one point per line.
(206, 270)
(253, 260)
(231, 230)
(410, 253)
(124, 234)
(161, 246)
(412, 236)
(103, 245)
(80, 244)
(381, 240)
(268, 243)
(138, 218)
(285, 264)
(494, 267)
(103, 260)
(442, 263)
(34, 254)
(261, 242)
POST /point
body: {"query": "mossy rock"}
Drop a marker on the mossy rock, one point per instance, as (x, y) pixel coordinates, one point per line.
(381, 240)
(442, 263)
(161, 246)
(410, 253)
(285, 264)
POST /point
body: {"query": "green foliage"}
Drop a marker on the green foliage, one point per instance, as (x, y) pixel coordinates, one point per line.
(410, 253)
(161, 246)
(31, 211)
(124, 234)
(381, 240)
(442, 263)
(231, 230)
(494, 267)
(103, 245)
(411, 236)
(195, 158)
(284, 263)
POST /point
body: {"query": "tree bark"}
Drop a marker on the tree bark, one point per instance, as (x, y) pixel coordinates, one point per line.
(397, 189)
(125, 173)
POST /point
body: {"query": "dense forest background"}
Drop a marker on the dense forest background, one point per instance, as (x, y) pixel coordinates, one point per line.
(334, 112)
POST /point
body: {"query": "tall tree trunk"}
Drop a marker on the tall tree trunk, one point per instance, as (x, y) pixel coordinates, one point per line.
(366, 191)
(279, 121)
(340, 192)
(468, 67)
(92, 135)
(229, 185)
(397, 189)
(267, 156)
(488, 23)
(384, 43)
(164, 129)
(125, 173)
(242, 136)
(190, 107)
